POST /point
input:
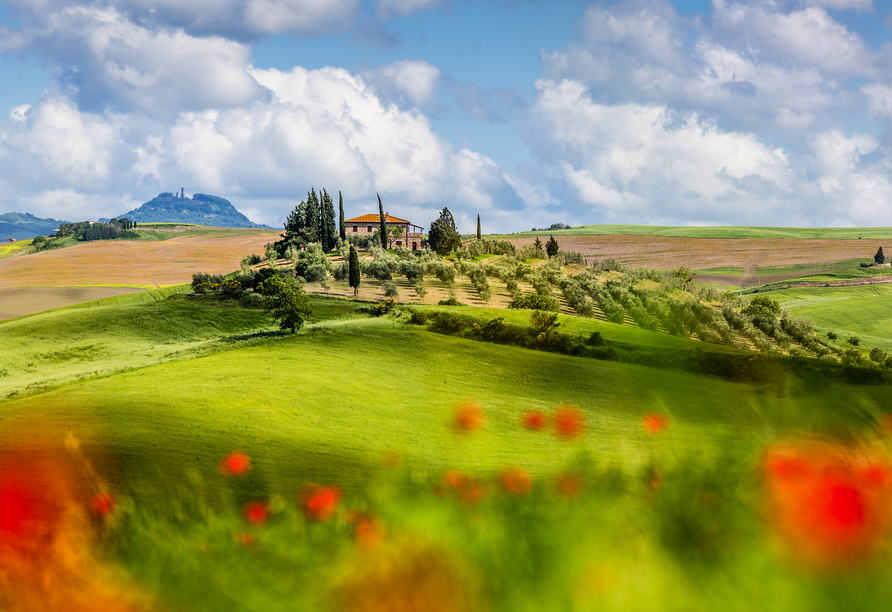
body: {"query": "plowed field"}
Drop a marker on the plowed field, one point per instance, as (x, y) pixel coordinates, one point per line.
(167, 262)
(668, 253)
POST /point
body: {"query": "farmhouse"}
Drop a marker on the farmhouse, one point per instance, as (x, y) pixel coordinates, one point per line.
(366, 225)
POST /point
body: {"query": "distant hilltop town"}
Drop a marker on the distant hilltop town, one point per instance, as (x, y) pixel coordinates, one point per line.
(201, 209)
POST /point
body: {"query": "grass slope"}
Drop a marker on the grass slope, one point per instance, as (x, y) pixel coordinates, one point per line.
(863, 310)
(325, 405)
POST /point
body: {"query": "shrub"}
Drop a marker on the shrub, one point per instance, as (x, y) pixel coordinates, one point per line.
(391, 291)
(595, 339)
(854, 340)
(341, 271)
(315, 273)
(379, 270)
(206, 279)
(762, 306)
(877, 354)
(232, 287)
(831, 336)
(535, 301)
(450, 302)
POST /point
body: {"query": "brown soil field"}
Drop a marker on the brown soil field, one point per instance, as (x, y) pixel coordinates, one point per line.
(21, 301)
(167, 262)
(668, 253)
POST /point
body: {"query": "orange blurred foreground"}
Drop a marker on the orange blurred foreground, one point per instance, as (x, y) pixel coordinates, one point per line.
(830, 506)
(50, 509)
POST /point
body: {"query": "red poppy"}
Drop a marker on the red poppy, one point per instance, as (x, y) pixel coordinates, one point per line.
(534, 420)
(102, 504)
(829, 511)
(569, 485)
(569, 422)
(468, 416)
(248, 540)
(454, 480)
(235, 463)
(516, 480)
(257, 512)
(320, 503)
(654, 422)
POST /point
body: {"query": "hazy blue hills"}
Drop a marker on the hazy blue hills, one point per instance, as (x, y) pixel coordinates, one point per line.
(201, 209)
(22, 226)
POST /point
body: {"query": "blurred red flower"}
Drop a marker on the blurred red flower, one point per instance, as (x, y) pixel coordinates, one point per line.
(516, 480)
(257, 512)
(830, 511)
(468, 416)
(320, 503)
(534, 420)
(235, 463)
(569, 485)
(654, 422)
(248, 540)
(569, 422)
(454, 480)
(102, 504)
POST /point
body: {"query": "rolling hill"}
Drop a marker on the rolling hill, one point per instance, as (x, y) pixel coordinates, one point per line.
(201, 209)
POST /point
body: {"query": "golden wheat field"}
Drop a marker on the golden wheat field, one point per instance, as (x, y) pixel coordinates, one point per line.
(134, 263)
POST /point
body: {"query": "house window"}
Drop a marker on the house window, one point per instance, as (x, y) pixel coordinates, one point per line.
(399, 243)
(370, 229)
(355, 228)
(414, 246)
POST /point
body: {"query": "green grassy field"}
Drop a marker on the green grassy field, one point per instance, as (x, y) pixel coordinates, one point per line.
(863, 310)
(848, 233)
(163, 387)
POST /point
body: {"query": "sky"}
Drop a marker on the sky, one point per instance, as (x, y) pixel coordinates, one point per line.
(526, 112)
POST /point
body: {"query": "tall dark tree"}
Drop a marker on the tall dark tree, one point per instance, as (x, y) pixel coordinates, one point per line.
(383, 223)
(341, 228)
(551, 247)
(478, 226)
(443, 237)
(329, 232)
(879, 257)
(312, 218)
(354, 270)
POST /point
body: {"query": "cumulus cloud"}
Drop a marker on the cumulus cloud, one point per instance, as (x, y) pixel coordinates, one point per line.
(109, 60)
(633, 161)
(317, 127)
(407, 82)
(238, 19)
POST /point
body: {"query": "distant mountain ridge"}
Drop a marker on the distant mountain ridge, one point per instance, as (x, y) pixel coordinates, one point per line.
(22, 226)
(201, 209)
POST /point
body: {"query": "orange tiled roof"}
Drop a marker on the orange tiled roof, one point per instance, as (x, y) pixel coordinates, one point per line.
(376, 219)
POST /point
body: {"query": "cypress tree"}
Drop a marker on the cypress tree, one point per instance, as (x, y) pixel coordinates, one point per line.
(342, 229)
(311, 218)
(383, 224)
(323, 229)
(354, 270)
(478, 226)
(329, 233)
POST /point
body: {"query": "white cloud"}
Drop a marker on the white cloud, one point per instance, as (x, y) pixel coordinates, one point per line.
(879, 99)
(842, 5)
(230, 18)
(411, 81)
(634, 161)
(390, 8)
(808, 37)
(114, 61)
